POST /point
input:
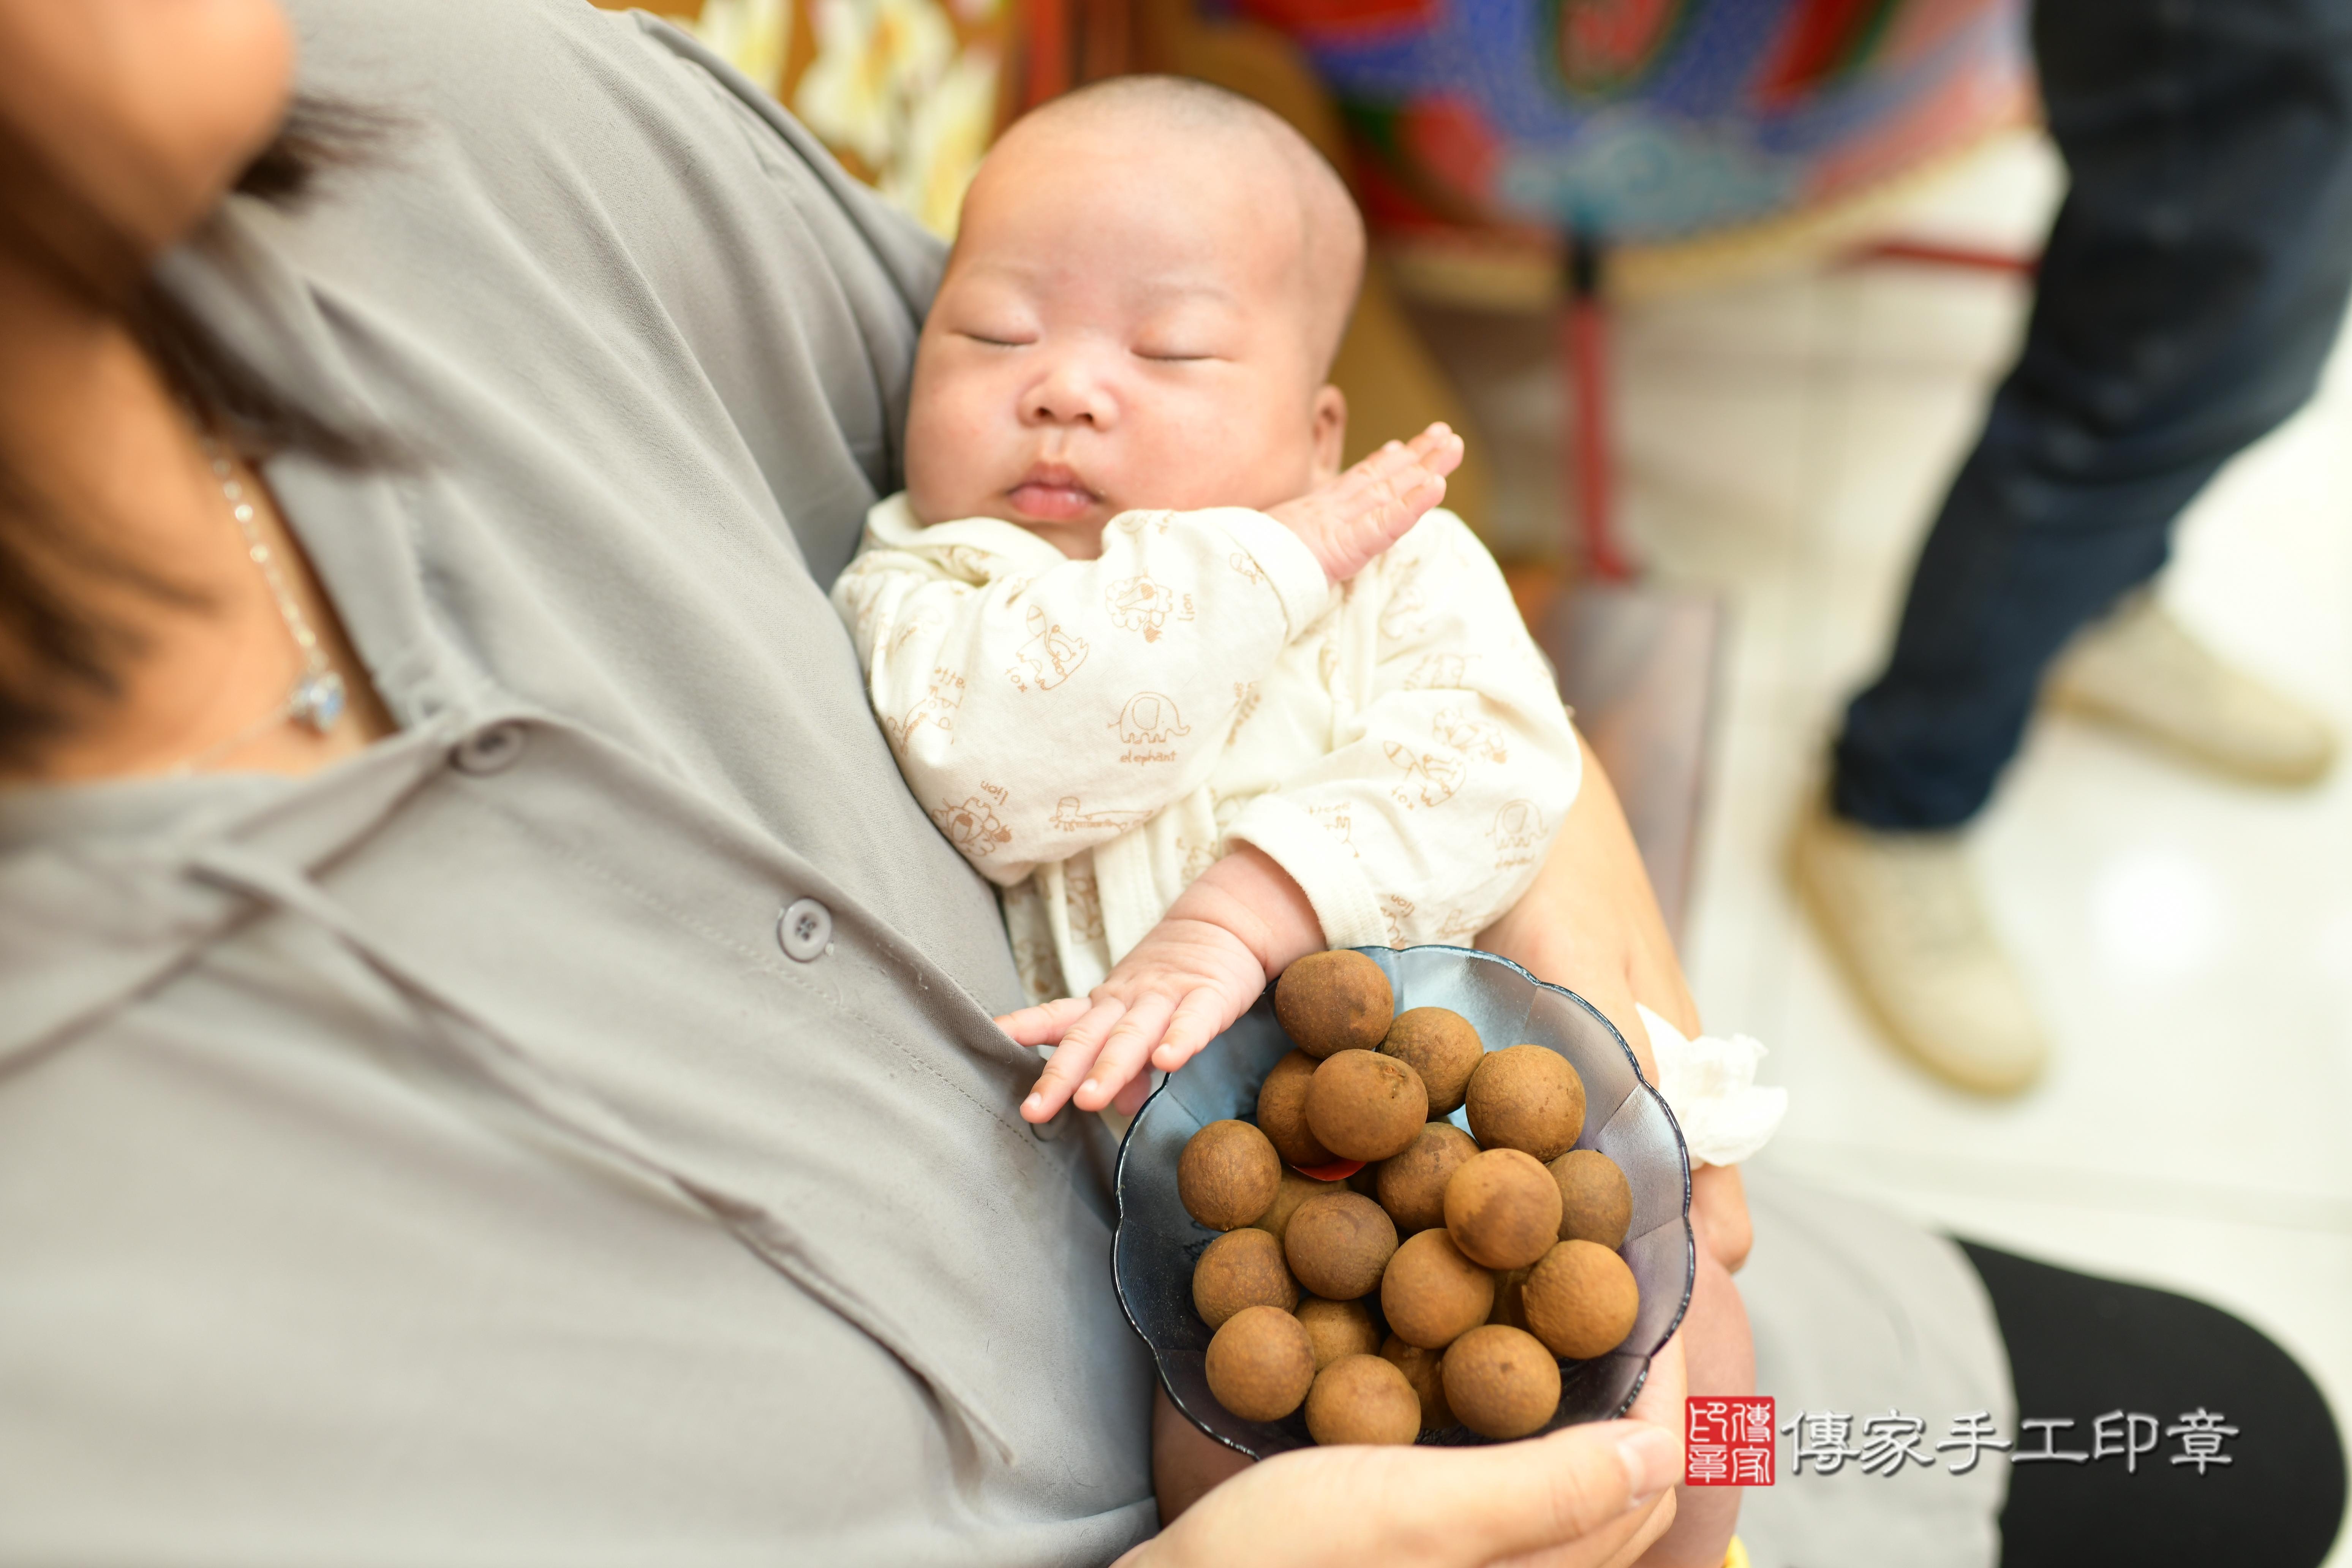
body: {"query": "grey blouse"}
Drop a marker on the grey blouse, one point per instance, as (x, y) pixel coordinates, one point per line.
(572, 1130)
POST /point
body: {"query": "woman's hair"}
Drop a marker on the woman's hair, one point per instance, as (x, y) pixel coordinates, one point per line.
(58, 650)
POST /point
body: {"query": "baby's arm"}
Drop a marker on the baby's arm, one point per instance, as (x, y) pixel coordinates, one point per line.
(1242, 922)
(1040, 706)
(1454, 778)
(1451, 774)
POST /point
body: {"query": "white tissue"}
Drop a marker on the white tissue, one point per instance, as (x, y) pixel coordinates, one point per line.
(1710, 1085)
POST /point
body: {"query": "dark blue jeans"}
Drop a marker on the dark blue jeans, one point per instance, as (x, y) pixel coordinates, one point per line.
(2190, 291)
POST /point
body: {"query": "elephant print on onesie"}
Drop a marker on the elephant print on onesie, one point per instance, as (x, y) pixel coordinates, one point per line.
(1148, 723)
(1141, 605)
(1050, 656)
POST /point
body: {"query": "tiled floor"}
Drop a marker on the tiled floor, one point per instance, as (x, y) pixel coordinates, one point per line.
(2192, 941)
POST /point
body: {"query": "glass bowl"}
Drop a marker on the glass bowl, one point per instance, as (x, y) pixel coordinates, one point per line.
(1157, 1242)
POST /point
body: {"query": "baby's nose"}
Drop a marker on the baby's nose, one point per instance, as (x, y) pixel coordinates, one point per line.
(1070, 394)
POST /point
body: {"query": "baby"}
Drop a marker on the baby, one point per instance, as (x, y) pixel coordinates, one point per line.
(1198, 702)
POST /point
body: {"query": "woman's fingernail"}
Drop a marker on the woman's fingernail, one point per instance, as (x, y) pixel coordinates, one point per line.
(1034, 1102)
(1649, 1457)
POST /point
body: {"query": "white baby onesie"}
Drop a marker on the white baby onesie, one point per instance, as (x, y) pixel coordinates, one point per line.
(1094, 734)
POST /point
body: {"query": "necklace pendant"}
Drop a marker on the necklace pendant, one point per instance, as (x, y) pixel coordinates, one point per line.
(318, 701)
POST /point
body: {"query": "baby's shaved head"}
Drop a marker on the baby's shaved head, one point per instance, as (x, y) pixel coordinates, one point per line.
(1253, 146)
(1147, 292)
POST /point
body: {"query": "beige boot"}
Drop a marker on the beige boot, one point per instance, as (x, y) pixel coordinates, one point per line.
(2141, 671)
(1900, 911)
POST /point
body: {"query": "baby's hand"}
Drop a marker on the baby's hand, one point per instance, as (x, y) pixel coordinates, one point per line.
(1183, 986)
(1363, 512)
(1186, 982)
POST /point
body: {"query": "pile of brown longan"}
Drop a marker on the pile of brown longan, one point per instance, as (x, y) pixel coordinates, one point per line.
(1508, 1261)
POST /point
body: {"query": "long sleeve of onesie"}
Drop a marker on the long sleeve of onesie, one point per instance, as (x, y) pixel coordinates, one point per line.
(1039, 706)
(1450, 762)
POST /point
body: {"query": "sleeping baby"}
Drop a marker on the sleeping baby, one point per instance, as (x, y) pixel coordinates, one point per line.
(1196, 700)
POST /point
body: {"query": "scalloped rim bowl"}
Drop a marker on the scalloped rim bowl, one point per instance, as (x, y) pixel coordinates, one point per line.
(1157, 1242)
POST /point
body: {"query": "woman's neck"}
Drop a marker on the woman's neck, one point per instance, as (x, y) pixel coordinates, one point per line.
(120, 476)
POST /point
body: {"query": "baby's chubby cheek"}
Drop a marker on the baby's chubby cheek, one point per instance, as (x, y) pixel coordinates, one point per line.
(950, 457)
(1245, 458)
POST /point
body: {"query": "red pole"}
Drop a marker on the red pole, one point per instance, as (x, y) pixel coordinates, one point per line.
(1048, 23)
(1593, 477)
(1969, 257)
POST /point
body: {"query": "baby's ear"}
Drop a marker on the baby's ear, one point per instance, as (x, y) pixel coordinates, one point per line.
(1330, 432)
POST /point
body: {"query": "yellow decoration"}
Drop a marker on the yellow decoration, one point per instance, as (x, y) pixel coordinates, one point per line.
(944, 142)
(876, 61)
(750, 35)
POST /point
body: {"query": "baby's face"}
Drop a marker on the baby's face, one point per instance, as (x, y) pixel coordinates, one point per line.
(1119, 327)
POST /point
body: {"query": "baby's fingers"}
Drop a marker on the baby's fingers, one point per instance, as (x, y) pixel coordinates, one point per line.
(1046, 1025)
(1125, 1051)
(1081, 1043)
(1438, 448)
(1201, 1018)
(1129, 1100)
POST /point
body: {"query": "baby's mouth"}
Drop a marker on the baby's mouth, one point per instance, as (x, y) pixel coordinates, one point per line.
(1050, 492)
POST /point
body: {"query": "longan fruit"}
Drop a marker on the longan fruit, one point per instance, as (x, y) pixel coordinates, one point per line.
(1526, 1097)
(1339, 1329)
(1424, 1370)
(1596, 1204)
(1362, 1399)
(1294, 1190)
(1503, 1209)
(1442, 1047)
(1336, 1001)
(1227, 1174)
(1582, 1300)
(1241, 1270)
(1431, 1294)
(1282, 1113)
(1338, 1244)
(1361, 1105)
(1501, 1381)
(1413, 1183)
(1260, 1363)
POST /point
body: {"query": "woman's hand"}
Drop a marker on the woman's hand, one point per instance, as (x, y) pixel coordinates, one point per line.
(1587, 1497)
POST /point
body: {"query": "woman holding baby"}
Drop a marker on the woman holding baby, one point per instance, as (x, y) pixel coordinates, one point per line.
(494, 1062)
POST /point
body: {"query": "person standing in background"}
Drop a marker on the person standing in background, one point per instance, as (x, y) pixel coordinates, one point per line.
(2188, 299)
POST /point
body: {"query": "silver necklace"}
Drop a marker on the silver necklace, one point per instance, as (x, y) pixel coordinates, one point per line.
(318, 697)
